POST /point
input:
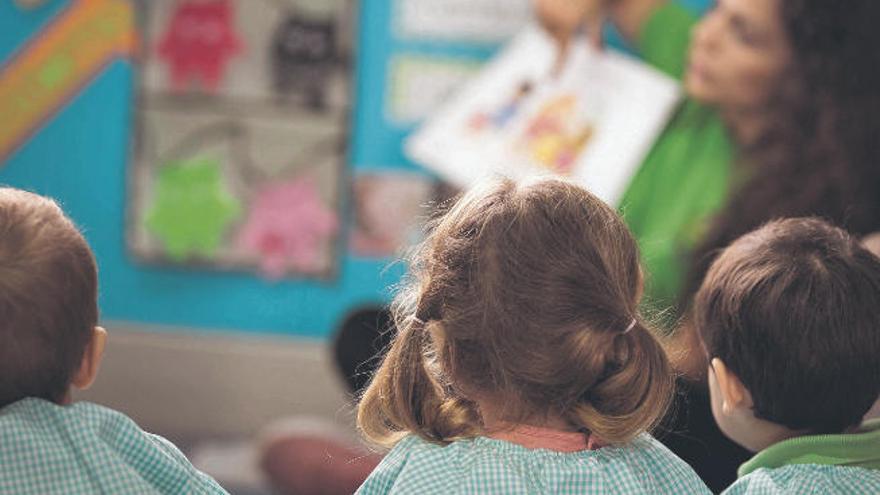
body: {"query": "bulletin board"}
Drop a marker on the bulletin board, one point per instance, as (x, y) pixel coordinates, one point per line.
(241, 138)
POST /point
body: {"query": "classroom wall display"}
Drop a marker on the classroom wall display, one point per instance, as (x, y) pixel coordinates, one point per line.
(390, 210)
(460, 20)
(592, 117)
(43, 76)
(242, 126)
(419, 84)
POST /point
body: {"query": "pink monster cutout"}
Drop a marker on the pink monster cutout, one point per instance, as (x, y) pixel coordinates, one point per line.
(199, 41)
(288, 226)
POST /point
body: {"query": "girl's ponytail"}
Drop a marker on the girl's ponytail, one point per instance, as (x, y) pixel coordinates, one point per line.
(635, 392)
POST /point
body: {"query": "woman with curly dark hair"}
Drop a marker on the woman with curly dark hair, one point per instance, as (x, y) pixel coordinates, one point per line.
(781, 119)
(816, 148)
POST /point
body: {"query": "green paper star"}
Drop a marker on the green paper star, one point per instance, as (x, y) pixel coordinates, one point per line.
(191, 208)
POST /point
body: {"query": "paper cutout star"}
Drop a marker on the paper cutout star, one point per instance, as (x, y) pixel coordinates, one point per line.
(192, 209)
(288, 226)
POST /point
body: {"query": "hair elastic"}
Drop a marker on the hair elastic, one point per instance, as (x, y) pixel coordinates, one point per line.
(632, 325)
(418, 320)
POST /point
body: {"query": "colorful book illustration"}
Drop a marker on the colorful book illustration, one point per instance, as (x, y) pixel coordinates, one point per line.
(592, 119)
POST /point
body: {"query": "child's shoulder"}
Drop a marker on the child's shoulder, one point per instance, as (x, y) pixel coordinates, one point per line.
(651, 463)
(494, 466)
(808, 479)
(413, 465)
(91, 449)
(38, 419)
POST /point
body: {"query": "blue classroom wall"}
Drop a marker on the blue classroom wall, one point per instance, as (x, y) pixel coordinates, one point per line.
(80, 158)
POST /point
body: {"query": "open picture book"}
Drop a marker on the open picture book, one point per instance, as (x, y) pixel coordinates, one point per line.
(592, 116)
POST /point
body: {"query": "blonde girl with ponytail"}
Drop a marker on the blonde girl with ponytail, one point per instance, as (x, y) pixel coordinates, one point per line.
(520, 363)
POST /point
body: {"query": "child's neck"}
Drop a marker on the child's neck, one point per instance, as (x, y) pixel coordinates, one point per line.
(494, 419)
(757, 434)
(546, 432)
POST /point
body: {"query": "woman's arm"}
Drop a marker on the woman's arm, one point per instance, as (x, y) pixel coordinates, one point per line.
(630, 16)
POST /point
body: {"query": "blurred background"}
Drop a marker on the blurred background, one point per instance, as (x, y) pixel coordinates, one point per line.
(237, 168)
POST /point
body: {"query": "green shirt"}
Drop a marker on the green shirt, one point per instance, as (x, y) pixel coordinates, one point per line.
(684, 179)
(486, 465)
(819, 464)
(84, 448)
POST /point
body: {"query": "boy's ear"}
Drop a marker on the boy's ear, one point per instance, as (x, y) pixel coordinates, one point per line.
(91, 361)
(733, 393)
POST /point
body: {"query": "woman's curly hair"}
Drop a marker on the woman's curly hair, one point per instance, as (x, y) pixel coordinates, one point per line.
(820, 150)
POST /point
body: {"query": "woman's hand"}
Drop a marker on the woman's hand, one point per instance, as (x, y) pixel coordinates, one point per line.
(563, 18)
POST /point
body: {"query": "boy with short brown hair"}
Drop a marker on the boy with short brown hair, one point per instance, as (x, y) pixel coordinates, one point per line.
(790, 319)
(50, 343)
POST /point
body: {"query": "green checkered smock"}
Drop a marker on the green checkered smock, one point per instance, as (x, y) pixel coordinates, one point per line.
(84, 448)
(808, 479)
(488, 466)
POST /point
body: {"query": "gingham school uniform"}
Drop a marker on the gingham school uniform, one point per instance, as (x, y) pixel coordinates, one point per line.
(489, 466)
(84, 448)
(846, 464)
(808, 479)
